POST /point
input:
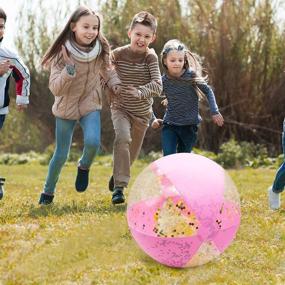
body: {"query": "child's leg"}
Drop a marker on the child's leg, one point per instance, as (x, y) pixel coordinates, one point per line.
(169, 139)
(91, 125)
(121, 148)
(1, 187)
(138, 131)
(279, 181)
(2, 119)
(187, 138)
(64, 132)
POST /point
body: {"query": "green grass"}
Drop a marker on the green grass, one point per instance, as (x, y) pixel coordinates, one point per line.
(84, 239)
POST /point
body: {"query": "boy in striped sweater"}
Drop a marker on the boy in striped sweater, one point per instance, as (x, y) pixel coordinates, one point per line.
(138, 69)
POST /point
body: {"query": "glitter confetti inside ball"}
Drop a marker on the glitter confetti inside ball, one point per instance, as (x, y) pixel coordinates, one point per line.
(183, 210)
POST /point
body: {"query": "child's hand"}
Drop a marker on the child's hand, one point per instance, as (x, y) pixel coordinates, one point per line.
(4, 66)
(157, 123)
(22, 107)
(117, 89)
(218, 119)
(133, 91)
(164, 103)
(66, 58)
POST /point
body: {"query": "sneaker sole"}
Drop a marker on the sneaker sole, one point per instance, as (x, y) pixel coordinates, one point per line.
(118, 201)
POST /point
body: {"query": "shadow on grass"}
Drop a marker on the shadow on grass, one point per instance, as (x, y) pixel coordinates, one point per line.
(101, 207)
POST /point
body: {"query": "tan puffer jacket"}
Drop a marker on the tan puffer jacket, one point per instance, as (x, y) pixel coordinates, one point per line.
(78, 95)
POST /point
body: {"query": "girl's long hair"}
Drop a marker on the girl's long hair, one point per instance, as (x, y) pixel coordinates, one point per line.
(191, 60)
(68, 34)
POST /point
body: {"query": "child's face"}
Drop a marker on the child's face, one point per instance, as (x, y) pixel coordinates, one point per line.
(2, 27)
(175, 62)
(86, 29)
(141, 37)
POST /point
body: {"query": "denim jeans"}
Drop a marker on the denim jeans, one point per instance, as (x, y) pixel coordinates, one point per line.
(91, 126)
(279, 181)
(178, 138)
(2, 119)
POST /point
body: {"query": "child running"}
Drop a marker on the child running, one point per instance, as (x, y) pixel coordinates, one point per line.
(138, 69)
(11, 65)
(77, 59)
(183, 86)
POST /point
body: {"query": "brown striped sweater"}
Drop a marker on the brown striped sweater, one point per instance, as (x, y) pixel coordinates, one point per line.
(140, 71)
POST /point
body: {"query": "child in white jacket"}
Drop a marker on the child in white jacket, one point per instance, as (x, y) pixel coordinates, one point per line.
(11, 64)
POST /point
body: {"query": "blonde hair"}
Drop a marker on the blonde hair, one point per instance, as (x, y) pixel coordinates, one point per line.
(68, 34)
(191, 60)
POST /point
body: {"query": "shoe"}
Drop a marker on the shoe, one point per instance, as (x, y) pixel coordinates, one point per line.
(46, 199)
(118, 195)
(1, 187)
(111, 184)
(82, 179)
(274, 199)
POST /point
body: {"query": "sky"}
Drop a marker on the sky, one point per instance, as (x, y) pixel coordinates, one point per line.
(11, 7)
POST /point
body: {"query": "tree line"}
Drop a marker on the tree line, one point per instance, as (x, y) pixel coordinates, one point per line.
(241, 44)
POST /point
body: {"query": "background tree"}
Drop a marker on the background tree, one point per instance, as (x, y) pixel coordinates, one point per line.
(240, 41)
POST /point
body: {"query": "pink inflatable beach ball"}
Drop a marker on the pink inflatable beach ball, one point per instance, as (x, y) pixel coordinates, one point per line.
(183, 210)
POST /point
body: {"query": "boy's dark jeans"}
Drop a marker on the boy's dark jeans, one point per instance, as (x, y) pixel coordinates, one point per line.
(176, 139)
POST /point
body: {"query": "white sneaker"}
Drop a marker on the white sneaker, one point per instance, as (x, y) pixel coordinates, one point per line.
(274, 199)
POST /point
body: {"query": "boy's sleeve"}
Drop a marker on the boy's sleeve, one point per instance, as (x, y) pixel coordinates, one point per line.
(154, 87)
(59, 80)
(22, 77)
(110, 75)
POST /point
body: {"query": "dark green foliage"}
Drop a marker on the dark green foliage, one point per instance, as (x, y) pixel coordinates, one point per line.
(235, 154)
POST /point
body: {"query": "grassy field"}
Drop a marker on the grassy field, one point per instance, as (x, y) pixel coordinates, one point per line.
(84, 239)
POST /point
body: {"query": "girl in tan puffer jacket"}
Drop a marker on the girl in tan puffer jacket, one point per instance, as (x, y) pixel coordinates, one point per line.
(77, 59)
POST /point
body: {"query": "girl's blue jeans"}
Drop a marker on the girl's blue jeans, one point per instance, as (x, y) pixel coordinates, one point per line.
(279, 181)
(91, 126)
(178, 138)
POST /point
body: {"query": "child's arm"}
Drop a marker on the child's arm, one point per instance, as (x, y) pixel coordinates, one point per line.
(154, 87)
(112, 80)
(216, 115)
(4, 66)
(62, 73)
(110, 76)
(21, 75)
(154, 121)
(218, 119)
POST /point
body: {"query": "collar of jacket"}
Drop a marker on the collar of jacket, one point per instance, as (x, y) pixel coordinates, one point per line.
(84, 56)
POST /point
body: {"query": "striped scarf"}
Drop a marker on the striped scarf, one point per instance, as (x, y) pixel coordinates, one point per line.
(86, 55)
